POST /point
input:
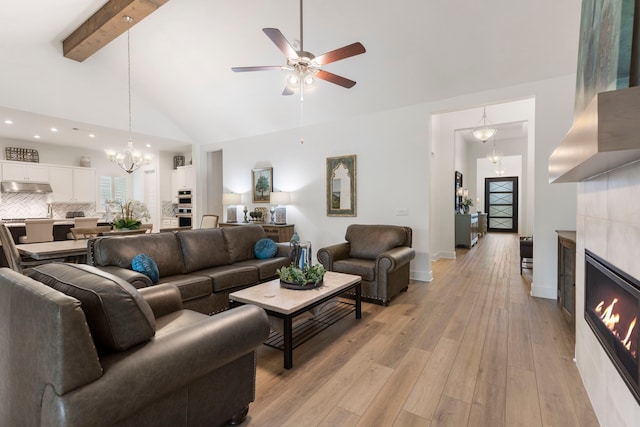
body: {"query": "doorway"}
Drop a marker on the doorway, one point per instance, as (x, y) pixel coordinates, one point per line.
(501, 204)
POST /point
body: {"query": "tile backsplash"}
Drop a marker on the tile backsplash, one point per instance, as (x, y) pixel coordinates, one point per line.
(28, 205)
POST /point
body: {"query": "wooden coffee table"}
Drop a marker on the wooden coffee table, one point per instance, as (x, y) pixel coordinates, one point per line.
(287, 304)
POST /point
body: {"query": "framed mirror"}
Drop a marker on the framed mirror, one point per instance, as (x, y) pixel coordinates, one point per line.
(341, 186)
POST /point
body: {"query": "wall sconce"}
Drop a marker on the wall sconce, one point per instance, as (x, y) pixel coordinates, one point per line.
(280, 199)
(231, 200)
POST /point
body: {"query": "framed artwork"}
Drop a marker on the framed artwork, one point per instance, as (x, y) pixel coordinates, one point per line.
(341, 186)
(261, 185)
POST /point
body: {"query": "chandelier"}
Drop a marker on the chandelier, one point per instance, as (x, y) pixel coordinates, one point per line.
(129, 159)
(484, 130)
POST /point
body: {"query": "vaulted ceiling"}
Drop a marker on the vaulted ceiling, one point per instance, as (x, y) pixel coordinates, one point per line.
(184, 91)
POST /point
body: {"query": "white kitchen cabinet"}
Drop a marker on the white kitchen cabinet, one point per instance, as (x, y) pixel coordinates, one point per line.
(75, 185)
(23, 171)
(185, 178)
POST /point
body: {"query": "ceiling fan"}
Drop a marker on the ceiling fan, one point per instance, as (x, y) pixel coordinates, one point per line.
(305, 66)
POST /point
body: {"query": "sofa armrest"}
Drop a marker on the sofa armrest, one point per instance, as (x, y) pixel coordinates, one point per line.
(393, 259)
(163, 299)
(169, 362)
(138, 280)
(330, 254)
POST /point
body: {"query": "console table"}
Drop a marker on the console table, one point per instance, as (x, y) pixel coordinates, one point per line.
(466, 229)
(278, 233)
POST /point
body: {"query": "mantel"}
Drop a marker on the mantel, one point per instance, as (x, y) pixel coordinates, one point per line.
(605, 136)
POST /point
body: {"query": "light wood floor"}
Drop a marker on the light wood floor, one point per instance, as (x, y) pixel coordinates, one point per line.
(471, 348)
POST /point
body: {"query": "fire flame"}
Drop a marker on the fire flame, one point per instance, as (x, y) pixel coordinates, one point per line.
(611, 320)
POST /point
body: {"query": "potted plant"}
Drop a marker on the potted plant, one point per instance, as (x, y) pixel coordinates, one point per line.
(130, 216)
(294, 277)
(466, 204)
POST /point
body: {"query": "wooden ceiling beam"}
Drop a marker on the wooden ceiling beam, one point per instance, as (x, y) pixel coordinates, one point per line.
(105, 25)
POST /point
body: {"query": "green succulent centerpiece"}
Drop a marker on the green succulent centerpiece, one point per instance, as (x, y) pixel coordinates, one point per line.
(294, 277)
(130, 216)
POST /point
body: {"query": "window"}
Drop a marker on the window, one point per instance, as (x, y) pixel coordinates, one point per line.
(112, 188)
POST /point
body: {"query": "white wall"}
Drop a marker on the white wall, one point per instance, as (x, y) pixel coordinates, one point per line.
(392, 172)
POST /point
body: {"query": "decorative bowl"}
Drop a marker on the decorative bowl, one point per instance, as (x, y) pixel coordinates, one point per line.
(300, 286)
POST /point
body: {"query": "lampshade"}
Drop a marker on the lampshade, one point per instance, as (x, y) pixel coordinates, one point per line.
(280, 198)
(230, 199)
(484, 130)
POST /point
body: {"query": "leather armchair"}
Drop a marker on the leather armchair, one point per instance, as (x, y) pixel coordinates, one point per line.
(193, 370)
(380, 254)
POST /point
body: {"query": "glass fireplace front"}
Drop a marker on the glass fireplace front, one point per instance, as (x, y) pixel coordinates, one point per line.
(612, 305)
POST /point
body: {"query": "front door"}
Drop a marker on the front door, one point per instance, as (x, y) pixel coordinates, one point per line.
(501, 203)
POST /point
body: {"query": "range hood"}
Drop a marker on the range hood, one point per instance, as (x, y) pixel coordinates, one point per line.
(605, 136)
(25, 187)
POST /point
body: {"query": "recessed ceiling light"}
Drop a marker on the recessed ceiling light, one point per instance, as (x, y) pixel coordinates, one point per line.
(8, 122)
(148, 145)
(36, 136)
(54, 129)
(92, 135)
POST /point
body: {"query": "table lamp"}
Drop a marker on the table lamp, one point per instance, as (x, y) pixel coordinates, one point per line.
(231, 200)
(279, 199)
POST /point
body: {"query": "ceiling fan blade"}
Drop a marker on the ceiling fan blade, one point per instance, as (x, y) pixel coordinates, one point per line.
(341, 53)
(336, 79)
(279, 40)
(259, 68)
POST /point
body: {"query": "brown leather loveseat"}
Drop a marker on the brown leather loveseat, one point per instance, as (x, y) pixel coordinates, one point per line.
(205, 264)
(88, 349)
(380, 254)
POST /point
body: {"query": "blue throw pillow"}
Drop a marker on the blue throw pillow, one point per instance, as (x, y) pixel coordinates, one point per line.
(265, 248)
(143, 263)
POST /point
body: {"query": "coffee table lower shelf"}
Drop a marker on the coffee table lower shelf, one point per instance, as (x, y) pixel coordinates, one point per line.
(307, 329)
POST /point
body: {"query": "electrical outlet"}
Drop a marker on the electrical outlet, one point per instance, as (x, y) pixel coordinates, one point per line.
(402, 212)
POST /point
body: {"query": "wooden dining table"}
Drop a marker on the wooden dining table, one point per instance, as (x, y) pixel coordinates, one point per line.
(65, 249)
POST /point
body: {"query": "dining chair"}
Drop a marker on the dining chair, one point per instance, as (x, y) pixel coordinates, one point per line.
(38, 230)
(82, 222)
(14, 260)
(209, 221)
(79, 233)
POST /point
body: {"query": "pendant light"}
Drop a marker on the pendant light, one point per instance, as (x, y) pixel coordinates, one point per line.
(129, 159)
(484, 130)
(493, 155)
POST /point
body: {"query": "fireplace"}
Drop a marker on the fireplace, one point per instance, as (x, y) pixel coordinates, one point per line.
(612, 305)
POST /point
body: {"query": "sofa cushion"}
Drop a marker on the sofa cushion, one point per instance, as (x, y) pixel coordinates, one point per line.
(164, 248)
(369, 241)
(230, 276)
(143, 263)
(190, 286)
(364, 268)
(266, 267)
(117, 315)
(241, 239)
(265, 249)
(203, 248)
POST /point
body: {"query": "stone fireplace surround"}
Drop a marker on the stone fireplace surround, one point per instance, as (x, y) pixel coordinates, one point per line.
(607, 224)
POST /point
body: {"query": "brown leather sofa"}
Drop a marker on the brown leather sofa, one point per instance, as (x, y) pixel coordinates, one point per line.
(88, 349)
(205, 264)
(380, 254)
